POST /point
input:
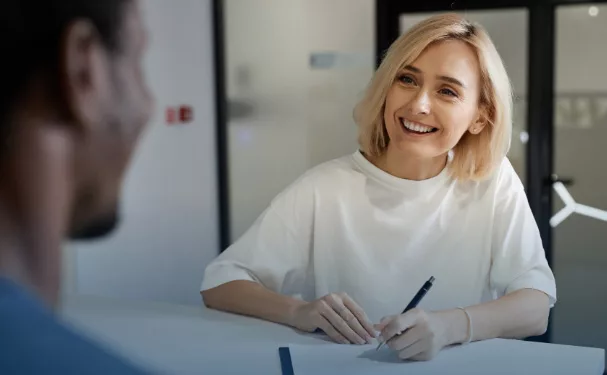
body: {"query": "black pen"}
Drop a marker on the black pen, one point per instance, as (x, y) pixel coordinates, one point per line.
(415, 301)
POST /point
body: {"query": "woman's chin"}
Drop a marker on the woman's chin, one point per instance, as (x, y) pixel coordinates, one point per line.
(415, 150)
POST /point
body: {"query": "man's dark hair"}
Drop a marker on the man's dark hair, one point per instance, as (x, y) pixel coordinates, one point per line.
(30, 36)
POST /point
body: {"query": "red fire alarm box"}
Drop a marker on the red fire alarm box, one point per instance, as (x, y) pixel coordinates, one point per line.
(185, 113)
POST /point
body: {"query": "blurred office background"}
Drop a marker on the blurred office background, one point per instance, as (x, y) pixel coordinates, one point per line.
(272, 84)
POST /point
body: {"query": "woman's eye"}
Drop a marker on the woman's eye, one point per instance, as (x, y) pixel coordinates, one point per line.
(448, 92)
(407, 80)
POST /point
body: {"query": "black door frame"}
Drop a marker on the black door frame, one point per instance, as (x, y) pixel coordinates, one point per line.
(540, 88)
(221, 125)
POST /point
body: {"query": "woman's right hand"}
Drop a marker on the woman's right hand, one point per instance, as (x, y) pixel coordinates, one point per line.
(338, 316)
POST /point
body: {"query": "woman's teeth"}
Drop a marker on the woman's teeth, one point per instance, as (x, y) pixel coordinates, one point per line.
(416, 127)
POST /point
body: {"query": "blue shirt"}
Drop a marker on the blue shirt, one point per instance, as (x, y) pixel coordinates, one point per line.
(33, 341)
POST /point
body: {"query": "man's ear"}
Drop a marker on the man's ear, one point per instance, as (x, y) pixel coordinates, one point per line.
(83, 67)
(481, 121)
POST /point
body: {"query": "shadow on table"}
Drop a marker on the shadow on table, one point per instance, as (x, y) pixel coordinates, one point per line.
(383, 355)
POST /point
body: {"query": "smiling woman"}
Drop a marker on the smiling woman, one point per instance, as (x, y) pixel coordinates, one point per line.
(444, 75)
(429, 193)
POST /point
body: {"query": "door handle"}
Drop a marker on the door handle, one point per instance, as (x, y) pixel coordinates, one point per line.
(567, 181)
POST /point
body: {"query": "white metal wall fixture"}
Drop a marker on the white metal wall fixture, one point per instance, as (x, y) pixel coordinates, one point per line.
(572, 207)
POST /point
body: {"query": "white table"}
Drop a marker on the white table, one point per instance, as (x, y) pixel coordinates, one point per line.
(195, 340)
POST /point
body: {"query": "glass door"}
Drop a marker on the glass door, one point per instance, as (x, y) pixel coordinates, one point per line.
(580, 197)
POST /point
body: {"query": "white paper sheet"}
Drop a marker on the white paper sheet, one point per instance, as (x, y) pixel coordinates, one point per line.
(489, 357)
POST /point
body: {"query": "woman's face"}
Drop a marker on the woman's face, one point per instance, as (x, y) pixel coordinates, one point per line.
(434, 101)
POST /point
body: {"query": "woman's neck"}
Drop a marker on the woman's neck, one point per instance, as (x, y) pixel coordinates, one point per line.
(410, 168)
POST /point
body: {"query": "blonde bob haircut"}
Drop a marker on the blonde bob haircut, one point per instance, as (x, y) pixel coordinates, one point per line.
(475, 156)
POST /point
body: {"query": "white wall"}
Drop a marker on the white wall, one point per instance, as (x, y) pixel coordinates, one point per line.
(169, 232)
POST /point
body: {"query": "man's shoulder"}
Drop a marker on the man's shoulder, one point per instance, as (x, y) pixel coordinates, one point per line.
(33, 341)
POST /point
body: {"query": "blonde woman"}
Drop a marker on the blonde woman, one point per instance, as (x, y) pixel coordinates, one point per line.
(429, 193)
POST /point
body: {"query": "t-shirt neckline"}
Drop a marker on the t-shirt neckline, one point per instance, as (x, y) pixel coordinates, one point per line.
(397, 182)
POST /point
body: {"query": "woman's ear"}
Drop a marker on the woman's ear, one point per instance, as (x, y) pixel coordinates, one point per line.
(481, 121)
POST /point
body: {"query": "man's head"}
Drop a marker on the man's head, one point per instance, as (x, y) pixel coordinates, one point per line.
(75, 69)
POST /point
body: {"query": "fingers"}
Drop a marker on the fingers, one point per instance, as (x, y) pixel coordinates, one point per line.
(410, 337)
(384, 321)
(419, 339)
(328, 328)
(416, 350)
(340, 324)
(355, 317)
(361, 318)
(401, 324)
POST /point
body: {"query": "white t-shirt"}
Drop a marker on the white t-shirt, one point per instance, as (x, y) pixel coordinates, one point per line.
(348, 226)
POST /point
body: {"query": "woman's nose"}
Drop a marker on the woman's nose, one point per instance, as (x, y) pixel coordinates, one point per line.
(420, 104)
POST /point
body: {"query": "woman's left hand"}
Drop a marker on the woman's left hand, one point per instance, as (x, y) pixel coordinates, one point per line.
(422, 334)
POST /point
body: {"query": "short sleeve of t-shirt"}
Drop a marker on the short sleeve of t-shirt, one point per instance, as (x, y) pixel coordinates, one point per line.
(274, 251)
(518, 257)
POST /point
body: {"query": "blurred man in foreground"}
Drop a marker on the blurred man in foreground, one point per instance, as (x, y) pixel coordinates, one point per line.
(73, 102)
